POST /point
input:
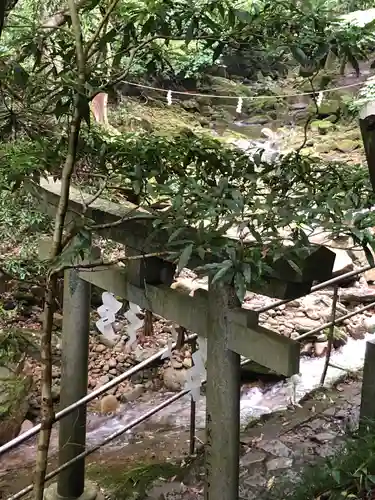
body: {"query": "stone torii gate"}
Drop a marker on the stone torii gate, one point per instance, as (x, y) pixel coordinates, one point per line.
(231, 331)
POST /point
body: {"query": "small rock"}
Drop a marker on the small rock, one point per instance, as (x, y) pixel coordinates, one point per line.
(279, 463)
(347, 145)
(343, 262)
(134, 393)
(276, 448)
(100, 348)
(174, 380)
(323, 437)
(107, 341)
(320, 348)
(112, 363)
(312, 315)
(104, 379)
(109, 404)
(176, 364)
(26, 426)
(187, 363)
(356, 331)
(253, 460)
(369, 324)
(304, 325)
(106, 368)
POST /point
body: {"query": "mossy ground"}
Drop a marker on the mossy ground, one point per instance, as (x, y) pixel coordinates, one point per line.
(124, 482)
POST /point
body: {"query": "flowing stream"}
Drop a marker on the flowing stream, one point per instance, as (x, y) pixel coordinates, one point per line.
(170, 423)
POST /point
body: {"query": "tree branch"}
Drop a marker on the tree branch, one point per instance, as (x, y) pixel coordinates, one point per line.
(102, 263)
(89, 53)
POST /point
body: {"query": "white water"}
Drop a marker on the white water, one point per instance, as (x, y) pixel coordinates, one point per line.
(254, 401)
(169, 423)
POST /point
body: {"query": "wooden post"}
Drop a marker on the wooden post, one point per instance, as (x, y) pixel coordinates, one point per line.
(223, 400)
(74, 374)
(367, 411)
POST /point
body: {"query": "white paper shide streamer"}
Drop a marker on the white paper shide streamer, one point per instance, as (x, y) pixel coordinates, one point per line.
(107, 312)
(134, 324)
(239, 105)
(197, 373)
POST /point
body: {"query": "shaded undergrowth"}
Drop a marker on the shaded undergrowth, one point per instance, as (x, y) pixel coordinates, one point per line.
(348, 474)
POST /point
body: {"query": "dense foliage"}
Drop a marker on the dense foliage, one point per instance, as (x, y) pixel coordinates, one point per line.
(198, 181)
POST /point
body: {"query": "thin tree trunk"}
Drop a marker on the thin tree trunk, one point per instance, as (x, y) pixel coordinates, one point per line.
(47, 410)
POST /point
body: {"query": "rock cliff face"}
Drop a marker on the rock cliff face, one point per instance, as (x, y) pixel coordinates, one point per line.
(14, 391)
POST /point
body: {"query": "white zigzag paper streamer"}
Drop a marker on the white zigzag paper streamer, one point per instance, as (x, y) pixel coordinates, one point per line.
(107, 312)
(134, 325)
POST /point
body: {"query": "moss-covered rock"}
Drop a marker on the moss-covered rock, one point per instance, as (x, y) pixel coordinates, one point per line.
(14, 390)
(347, 145)
(322, 126)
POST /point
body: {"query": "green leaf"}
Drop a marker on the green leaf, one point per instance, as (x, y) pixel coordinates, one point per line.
(239, 286)
(184, 257)
(247, 272)
(190, 32)
(231, 251)
(61, 108)
(107, 38)
(201, 252)
(357, 234)
(225, 267)
(84, 108)
(300, 56)
(218, 51)
(175, 234)
(243, 16)
(336, 475)
(294, 266)
(369, 256)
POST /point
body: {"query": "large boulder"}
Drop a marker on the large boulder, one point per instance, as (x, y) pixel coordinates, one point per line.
(14, 391)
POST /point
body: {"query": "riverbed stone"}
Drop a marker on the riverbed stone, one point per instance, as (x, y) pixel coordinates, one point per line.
(253, 460)
(323, 437)
(304, 325)
(174, 380)
(279, 463)
(276, 448)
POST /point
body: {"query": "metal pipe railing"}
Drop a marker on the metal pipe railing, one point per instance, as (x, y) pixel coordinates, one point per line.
(90, 397)
(337, 321)
(111, 437)
(316, 288)
(105, 441)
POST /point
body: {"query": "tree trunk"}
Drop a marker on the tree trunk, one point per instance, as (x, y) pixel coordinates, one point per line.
(47, 411)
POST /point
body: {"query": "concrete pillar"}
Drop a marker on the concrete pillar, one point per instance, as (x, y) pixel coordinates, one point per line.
(367, 126)
(74, 375)
(223, 400)
(367, 410)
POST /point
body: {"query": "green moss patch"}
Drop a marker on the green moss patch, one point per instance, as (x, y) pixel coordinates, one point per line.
(131, 483)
